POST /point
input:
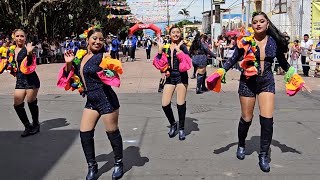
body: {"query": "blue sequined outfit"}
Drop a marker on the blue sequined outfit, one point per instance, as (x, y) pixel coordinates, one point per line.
(25, 81)
(100, 97)
(176, 77)
(264, 81)
(200, 55)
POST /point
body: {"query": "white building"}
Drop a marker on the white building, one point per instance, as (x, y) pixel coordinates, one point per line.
(296, 22)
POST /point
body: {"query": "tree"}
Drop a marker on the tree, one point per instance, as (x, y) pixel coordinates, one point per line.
(184, 12)
(180, 24)
(25, 10)
(57, 17)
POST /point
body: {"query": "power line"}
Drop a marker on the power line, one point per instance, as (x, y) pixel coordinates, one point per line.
(232, 4)
(192, 2)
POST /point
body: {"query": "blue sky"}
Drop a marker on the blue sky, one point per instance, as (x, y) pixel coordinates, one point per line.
(195, 8)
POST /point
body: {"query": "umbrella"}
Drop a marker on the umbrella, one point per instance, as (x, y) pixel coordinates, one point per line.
(232, 33)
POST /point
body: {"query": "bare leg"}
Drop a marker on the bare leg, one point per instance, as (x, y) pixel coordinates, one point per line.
(247, 107)
(181, 106)
(33, 107)
(200, 79)
(19, 96)
(114, 136)
(266, 105)
(166, 106)
(88, 123)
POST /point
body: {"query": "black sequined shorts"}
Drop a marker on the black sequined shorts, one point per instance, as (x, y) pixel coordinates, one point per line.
(256, 85)
(200, 60)
(104, 100)
(181, 78)
(27, 81)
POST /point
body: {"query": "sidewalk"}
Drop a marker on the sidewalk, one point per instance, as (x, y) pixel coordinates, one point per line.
(207, 153)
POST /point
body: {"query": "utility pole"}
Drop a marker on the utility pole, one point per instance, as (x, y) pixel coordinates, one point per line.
(301, 19)
(242, 16)
(203, 6)
(168, 14)
(247, 14)
(212, 21)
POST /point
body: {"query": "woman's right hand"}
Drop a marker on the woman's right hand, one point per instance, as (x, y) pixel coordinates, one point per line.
(160, 45)
(68, 56)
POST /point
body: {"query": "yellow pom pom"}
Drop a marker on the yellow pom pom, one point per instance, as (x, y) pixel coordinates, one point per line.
(13, 47)
(81, 53)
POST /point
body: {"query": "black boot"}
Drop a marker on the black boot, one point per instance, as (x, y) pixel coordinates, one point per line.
(199, 83)
(182, 119)
(203, 87)
(24, 119)
(265, 142)
(173, 125)
(243, 129)
(117, 146)
(34, 110)
(161, 85)
(87, 143)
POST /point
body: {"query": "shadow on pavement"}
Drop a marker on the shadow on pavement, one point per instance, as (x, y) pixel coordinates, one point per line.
(54, 123)
(253, 145)
(32, 157)
(191, 125)
(131, 157)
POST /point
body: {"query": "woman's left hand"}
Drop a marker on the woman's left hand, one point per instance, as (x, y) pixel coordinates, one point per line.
(178, 46)
(29, 48)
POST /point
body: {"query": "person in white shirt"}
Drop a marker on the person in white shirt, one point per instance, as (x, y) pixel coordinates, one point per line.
(306, 47)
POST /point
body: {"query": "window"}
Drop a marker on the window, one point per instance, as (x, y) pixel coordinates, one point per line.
(280, 6)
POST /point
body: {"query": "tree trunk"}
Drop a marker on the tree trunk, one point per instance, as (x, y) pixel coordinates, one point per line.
(38, 4)
(7, 6)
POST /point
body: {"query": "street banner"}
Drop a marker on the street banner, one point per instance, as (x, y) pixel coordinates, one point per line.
(315, 21)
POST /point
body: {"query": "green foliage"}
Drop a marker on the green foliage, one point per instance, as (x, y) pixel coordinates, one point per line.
(63, 17)
(183, 22)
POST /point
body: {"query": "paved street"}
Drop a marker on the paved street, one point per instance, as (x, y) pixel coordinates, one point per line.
(207, 153)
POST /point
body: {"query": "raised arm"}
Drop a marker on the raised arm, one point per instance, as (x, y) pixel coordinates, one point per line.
(234, 59)
(207, 50)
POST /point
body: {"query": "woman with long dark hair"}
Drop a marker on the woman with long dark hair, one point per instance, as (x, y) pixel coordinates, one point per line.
(259, 50)
(176, 79)
(22, 65)
(199, 52)
(93, 76)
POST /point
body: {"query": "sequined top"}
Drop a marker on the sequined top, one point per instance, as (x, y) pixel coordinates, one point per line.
(174, 64)
(90, 69)
(21, 55)
(202, 50)
(270, 53)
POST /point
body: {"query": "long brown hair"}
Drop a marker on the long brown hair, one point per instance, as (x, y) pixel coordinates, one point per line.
(281, 40)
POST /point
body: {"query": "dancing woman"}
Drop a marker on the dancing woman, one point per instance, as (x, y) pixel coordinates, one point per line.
(258, 49)
(199, 52)
(22, 64)
(174, 61)
(93, 76)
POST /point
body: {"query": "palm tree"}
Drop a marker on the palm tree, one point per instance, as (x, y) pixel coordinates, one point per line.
(184, 12)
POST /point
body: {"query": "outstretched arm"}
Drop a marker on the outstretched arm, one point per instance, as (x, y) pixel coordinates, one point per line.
(234, 59)
(207, 50)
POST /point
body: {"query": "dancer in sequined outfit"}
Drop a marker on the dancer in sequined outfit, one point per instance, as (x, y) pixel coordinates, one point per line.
(270, 43)
(175, 80)
(27, 84)
(102, 103)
